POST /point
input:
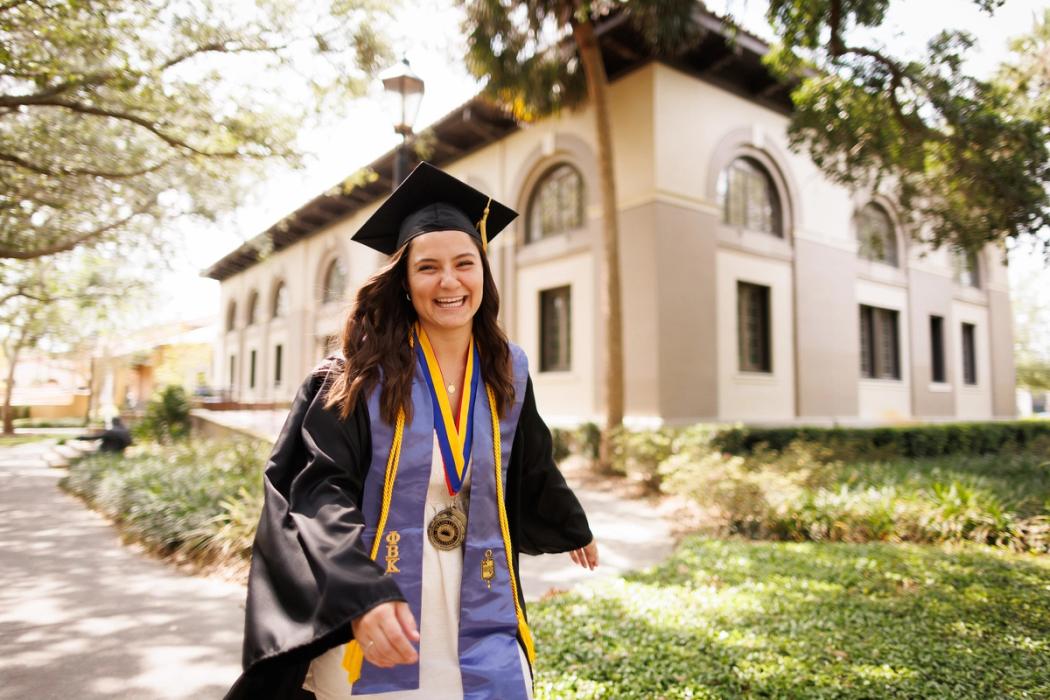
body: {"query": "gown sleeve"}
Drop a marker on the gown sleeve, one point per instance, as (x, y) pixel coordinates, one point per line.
(544, 513)
(310, 574)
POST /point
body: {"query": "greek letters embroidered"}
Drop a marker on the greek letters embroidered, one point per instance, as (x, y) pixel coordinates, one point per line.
(488, 568)
(392, 553)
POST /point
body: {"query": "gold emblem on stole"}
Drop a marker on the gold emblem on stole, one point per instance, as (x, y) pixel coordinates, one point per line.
(392, 553)
(488, 568)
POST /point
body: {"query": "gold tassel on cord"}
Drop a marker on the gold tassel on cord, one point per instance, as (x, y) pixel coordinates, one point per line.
(481, 227)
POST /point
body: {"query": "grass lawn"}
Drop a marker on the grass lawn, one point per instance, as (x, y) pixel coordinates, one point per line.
(743, 619)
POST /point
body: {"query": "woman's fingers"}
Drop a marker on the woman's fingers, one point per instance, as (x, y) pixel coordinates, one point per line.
(400, 648)
(590, 552)
(407, 621)
(380, 634)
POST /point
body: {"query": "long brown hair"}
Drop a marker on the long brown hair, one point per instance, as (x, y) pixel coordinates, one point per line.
(376, 343)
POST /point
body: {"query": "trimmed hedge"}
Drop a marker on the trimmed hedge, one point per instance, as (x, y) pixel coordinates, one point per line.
(897, 441)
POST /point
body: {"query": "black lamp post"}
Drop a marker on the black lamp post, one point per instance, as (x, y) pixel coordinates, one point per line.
(405, 91)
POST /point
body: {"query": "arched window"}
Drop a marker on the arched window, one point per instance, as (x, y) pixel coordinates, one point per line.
(557, 203)
(964, 264)
(876, 239)
(334, 282)
(231, 316)
(253, 308)
(280, 301)
(749, 198)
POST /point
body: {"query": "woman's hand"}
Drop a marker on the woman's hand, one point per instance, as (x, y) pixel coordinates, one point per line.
(386, 633)
(587, 557)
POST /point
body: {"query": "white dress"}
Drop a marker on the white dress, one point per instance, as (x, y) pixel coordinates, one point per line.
(439, 676)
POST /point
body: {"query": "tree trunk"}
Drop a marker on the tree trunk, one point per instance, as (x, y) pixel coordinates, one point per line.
(91, 389)
(12, 362)
(597, 90)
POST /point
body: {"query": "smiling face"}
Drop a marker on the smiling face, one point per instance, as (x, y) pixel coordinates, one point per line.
(445, 280)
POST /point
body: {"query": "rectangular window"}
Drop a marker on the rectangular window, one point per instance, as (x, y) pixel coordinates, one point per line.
(969, 350)
(879, 343)
(278, 358)
(233, 370)
(753, 336)
(937, 373)
(555, 330)
(251, 370)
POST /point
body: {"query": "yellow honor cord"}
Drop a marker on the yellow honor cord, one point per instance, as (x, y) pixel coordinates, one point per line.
(354, 656)
(523, 626)
(481, 227)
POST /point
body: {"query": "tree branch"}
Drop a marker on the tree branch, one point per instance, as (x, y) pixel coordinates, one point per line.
(173, 141)
(70, 243)
(61, 172)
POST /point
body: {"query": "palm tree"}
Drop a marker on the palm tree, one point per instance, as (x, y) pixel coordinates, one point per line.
(524, 50)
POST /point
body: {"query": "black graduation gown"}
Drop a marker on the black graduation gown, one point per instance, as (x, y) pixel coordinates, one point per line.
(310, 574)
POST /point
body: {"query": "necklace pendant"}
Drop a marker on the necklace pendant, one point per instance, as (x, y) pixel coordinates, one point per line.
(452, 388)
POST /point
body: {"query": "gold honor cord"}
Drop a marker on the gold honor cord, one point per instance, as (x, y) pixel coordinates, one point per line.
(523, 626)
(481, 227)
(353, 657)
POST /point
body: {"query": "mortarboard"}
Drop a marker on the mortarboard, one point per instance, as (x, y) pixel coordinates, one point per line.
(432, 200)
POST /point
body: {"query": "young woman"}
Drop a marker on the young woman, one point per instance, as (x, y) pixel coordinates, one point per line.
(410, 474)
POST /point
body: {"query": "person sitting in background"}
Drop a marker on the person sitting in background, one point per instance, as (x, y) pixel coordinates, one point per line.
(114, 439)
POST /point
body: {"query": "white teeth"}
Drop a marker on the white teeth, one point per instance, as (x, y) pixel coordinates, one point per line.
(450, 303)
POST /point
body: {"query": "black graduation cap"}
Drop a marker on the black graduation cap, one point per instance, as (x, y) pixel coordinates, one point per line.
(432, 200)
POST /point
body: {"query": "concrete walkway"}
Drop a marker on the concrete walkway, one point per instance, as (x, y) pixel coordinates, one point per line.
(82, 616)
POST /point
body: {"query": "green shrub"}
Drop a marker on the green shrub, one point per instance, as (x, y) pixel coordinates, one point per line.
(897, 441)
(589, 440)
(561, 443)
(199, 498)
(167, 416)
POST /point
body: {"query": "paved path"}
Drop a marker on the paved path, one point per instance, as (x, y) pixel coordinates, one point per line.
(83, 617)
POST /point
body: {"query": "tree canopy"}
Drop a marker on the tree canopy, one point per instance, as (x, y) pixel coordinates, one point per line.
(966, 159)
(117, 114)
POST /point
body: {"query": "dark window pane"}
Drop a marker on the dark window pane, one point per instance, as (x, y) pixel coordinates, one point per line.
(557, 204)
(875, 235)
(966, 271)
(937, 373)
(251, 371)
(280, 301)
(969, 349)
(753, 333)
(879, 343)
(253, 308)
(334, 282)
(749, 198)
(555, 330)
(231, 316)
(278, 358)
(233, 366)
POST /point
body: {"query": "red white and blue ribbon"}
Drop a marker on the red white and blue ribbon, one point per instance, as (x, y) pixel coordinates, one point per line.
(455, 431)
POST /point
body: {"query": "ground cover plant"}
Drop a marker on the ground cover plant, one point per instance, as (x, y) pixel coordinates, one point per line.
(849, 490)
(735, 618)
(199, 500)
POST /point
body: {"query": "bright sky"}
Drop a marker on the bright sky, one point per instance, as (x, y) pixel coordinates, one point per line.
(428, 33)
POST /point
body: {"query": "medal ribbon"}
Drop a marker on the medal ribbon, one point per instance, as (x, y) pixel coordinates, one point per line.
(454, 437)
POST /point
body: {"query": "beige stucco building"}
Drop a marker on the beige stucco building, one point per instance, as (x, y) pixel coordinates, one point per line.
(754, 289)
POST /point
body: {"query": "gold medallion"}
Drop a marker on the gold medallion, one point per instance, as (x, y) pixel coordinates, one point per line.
(448, 529)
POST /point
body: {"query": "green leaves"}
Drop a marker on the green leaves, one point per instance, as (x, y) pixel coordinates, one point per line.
(104, 105)
(967, 160)
(738, 619)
